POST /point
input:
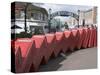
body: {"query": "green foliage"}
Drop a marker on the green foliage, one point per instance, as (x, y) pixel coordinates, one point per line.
(38, 31)
(21, 35)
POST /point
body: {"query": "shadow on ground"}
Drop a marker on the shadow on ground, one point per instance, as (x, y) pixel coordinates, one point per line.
(54, 63)
(70, 60)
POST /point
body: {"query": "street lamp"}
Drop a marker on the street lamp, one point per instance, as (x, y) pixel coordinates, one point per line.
(25, 17)
(49, 11)
(83, 18)
(78, 17)
(49, 20)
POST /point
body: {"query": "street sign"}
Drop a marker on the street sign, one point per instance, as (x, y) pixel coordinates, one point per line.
(64, 13)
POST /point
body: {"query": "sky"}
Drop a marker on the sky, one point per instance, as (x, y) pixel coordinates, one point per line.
(63, 7)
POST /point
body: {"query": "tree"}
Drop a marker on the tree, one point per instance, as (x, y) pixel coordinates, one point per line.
(56, 24)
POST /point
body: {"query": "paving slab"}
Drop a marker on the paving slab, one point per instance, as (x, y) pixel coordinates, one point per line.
(79, 59)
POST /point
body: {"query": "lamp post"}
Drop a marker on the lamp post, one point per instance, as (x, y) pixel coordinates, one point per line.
(78, 17)
(25, 17)
(49, 20)
(83, 19)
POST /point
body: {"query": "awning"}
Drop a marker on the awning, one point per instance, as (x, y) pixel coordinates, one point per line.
(16, 27)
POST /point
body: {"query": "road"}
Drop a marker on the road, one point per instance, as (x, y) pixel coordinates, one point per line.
(79, 59)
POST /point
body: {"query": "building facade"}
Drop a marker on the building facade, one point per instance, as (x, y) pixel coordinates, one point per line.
(89, 16)
(36, 17)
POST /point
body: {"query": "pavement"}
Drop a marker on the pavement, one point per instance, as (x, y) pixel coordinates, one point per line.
(77, 60)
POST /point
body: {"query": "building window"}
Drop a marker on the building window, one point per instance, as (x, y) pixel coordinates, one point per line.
(22, 14)
(43, 17)
(36, 16)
